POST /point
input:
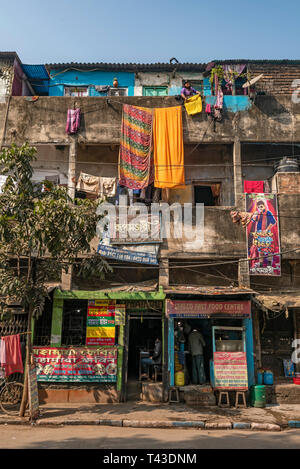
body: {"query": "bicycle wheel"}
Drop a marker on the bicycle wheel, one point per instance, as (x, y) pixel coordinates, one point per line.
(11, 397)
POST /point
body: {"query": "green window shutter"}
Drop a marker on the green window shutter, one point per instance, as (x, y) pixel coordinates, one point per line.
(155, 91)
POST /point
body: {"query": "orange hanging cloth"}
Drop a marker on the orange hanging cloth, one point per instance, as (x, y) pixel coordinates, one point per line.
(168, 147)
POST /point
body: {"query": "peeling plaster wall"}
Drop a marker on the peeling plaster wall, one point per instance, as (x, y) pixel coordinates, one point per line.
(270, 119)
(174, 83)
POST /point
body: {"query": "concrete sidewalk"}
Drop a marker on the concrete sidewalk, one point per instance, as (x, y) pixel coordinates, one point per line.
(144, 414)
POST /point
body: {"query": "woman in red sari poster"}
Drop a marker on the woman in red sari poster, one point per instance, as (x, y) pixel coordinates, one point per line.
(263, 234)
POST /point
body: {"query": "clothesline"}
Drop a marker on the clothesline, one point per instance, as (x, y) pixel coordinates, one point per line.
(19, 333)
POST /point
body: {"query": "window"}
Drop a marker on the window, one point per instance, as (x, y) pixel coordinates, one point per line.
(237, 88)
(117, 92)
(74, 322)
(42, 330)
(76, 90)
(207, 193)
(155, 91)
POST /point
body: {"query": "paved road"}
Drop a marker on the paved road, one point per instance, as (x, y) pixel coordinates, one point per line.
(89, 437)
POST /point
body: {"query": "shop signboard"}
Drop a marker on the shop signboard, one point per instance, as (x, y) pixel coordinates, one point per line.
(141, 228)
(80, 364)
(137, 255)
(33, 393)
(207, 309)
(263, 243)
(230, 370)
(100, 328)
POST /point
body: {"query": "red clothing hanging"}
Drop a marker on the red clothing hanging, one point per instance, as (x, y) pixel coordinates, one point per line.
(254, 186)
(13, 355)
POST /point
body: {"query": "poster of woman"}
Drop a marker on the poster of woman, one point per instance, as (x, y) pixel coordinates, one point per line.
(263, 235)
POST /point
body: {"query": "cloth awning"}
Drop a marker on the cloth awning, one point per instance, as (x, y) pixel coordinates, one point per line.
(278, 302)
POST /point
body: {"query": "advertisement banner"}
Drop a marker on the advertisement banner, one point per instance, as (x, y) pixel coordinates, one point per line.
(120, 315)
(80, 364)
(100, 327)
(230, 370)
(206, 309)
(263, 235)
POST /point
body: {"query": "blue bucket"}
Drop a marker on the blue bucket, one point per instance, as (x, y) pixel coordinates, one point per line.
(268, 377)
(260, 377)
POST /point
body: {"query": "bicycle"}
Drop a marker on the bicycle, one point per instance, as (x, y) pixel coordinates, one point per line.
(11, 394)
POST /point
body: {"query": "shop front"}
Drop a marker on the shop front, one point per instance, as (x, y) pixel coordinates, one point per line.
(95, 344)
(210, 342)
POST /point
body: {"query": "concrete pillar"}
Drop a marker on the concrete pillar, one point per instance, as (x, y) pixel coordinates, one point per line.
(72, 168)
(243, 273)
(66, 279)
(237, 174)
(164, 273)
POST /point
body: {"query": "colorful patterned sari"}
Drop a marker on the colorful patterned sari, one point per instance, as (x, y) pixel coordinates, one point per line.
(135, 155)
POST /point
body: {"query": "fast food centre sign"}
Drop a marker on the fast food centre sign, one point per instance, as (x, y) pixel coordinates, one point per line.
(207, 309)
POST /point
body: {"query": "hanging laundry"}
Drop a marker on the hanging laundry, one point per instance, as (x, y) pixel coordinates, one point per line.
(267, 188)
(13, 355)
(208, 108)
(135, 155)
(168, 147)
(219, 100)
(254, 186)
(108, 186)
(73, 121)
(193, 105)
(88, 183)
(2, 353)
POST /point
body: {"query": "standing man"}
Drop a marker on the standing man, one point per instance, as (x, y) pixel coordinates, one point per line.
(196, 344)
(187, 91)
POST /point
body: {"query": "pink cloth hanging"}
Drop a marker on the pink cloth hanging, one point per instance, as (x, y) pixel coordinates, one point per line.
(73, 121)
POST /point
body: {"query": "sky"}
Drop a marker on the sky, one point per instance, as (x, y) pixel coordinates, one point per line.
(149, 31)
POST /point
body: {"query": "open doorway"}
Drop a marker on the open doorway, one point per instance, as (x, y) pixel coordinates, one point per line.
(142, 336)
(226, 340)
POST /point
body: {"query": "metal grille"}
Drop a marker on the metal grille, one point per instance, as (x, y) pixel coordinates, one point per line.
(42, 331)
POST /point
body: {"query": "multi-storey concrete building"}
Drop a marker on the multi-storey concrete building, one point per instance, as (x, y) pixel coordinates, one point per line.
(194, 282)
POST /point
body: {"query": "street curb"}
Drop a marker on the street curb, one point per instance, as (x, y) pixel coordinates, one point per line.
(159, 424)
(14, 422)
(266, 427)
(218, 426)
(163, 424)
(294, 423)
(111, 422)
(241, 426)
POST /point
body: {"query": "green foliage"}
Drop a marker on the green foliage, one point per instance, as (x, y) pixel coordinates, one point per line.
(217, 70)
(41, 232)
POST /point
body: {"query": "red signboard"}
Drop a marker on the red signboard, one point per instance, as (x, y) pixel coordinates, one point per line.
(78, 364)
(230, 370)
(206, 309)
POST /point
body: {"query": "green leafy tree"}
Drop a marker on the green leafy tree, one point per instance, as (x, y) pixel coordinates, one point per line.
(42, 232)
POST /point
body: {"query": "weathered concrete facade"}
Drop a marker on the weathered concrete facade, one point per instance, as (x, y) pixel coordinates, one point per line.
(243, 146)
